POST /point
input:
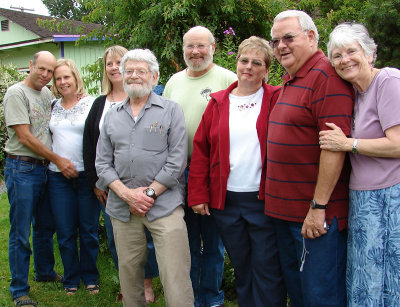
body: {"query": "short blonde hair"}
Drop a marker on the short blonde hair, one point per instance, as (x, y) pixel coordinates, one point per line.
(75, 73)
(257, 44)
(112, 51)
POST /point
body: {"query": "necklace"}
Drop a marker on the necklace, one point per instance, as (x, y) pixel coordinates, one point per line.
(250, 104)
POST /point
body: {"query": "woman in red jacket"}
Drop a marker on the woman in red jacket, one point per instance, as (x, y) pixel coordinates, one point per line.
(227, 173)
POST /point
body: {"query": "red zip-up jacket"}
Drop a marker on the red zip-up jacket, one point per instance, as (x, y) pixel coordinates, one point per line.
(209, 166)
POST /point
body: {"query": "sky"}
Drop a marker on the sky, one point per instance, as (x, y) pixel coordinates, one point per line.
(37, 5)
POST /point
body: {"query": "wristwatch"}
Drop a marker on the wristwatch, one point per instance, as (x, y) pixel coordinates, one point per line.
(354, 149)
(150, 193)
(315, 205)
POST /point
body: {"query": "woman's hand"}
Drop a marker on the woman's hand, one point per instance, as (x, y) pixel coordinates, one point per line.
(201, 209)
(334, 140)
(101, 195)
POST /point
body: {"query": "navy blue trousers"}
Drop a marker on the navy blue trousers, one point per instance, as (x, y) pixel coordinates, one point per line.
(322, 281)
(250, 241)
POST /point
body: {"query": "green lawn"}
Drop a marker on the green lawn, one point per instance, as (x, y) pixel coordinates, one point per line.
(52, 294)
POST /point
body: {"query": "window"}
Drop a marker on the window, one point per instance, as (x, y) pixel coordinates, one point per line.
(5, 25)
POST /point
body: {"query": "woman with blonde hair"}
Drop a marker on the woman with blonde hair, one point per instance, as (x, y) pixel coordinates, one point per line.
(227, 175)
(73, 204)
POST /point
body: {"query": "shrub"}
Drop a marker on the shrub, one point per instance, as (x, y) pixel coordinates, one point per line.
(9, 75)
(225, 56)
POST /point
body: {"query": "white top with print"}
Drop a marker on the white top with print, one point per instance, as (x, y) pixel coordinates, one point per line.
(67, 127)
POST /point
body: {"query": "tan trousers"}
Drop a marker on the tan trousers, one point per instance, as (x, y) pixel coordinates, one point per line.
(172, 253)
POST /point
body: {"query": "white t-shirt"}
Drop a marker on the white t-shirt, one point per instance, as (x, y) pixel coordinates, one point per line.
(67, 127)
(107, 106)
(245, 153)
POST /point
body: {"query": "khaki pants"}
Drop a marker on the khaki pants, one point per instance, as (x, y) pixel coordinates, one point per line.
(172, 252)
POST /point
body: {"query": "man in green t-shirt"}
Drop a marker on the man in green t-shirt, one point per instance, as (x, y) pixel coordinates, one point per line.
(27, 108)
(191, 88)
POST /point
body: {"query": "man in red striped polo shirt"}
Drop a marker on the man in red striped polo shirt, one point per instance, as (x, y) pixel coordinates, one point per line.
(307, 188)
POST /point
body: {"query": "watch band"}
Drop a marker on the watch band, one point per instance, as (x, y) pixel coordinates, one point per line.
(315, 205)
(354, 149)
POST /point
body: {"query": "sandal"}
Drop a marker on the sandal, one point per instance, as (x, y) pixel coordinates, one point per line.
(93, 289)
(24, 301)
(70, 291)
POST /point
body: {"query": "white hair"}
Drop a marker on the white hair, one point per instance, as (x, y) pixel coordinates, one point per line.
(305, 21)
(348, 33)
(141, 55)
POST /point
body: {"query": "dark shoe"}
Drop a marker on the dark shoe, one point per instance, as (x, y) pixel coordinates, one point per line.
(24, 301)
(93, 289)
(70, 291)
(58, 278)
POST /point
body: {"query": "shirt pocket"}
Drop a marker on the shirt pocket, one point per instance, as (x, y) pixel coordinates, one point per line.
(154, 137)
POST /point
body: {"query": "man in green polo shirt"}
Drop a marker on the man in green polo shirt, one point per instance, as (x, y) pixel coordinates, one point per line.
(191, 88)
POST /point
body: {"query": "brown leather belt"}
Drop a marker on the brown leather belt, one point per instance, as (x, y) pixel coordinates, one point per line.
(29, 159)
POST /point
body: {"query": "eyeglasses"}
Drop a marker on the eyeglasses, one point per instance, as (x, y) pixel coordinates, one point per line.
(200, 47)
(139, 72)
(338, 57)
(246, 61)
(286, 39)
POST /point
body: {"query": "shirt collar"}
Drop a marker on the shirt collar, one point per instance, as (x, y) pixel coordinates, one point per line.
(153, 99)
(308, 65)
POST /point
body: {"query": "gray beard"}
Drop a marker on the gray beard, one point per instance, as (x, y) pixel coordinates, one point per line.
(201, 67)
(143, 91)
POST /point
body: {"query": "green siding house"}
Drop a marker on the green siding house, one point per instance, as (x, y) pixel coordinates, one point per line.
(21, 37)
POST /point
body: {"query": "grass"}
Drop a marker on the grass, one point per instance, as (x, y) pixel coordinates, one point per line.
(52, 294)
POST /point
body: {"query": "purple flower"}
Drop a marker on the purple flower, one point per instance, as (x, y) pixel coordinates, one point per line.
(233, 32)
(226, 32)
(231, 52)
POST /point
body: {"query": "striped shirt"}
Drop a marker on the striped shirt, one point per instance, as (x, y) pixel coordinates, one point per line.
(313, 96)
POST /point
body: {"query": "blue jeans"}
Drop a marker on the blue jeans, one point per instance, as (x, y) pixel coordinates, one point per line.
(322, 282)
(373, 248)
(75, 206)
(250, 240)
(110, 235)
(207, 257)
(26, 187)
(151, 268)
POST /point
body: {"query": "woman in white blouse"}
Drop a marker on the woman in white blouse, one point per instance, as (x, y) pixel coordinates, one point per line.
(73, 203)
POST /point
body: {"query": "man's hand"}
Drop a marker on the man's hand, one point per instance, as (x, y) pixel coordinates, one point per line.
(101, 196)
(139, 203)
(313, 226)
(66, 167)
(201, 209)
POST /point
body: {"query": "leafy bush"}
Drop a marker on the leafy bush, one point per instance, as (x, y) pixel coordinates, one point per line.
(9, 75)
(226, 51)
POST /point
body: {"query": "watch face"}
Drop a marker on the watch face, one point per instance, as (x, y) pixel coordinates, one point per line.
(150, 192)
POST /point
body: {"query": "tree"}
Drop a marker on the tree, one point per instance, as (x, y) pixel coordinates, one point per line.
(382, 18)
(160, 25)
(68, 9)
(9, 75)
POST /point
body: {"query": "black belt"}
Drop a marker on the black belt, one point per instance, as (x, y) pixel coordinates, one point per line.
(29, 159)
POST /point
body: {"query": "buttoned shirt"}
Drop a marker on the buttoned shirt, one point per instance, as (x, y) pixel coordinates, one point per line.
(138, 151)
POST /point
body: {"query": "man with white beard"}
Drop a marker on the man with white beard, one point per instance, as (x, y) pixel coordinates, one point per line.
(141, 157)
(191, 88)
